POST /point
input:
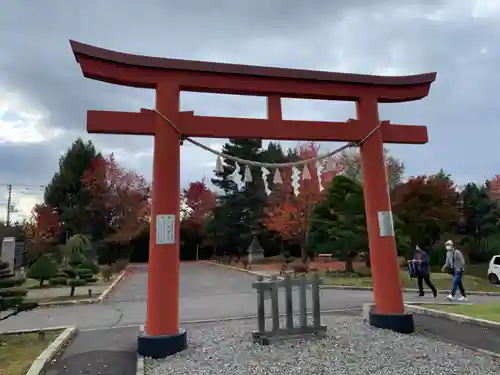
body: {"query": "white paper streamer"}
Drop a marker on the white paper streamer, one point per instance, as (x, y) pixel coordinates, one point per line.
(296, 180)
(218, 165)
(277, 177)
(248, 174)
(306, 175)
(236, 176)
(265, 172)
(319, 171)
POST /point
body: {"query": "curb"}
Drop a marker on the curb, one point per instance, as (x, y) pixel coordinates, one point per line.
(452, 316)
(236, 268)
(88, 301)
(367, 307)
(113, 285)
(409, 290)
(39, 364)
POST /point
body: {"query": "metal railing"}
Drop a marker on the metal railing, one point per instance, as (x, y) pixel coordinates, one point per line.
(270, 289)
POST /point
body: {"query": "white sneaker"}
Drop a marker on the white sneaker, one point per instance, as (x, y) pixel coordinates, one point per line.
(462, 298)
(449, 297)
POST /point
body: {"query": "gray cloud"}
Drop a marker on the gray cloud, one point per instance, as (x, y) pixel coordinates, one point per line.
(458, 39)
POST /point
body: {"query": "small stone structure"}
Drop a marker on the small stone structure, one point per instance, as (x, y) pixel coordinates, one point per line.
(255, 250)
(8, 253)
(270, 289)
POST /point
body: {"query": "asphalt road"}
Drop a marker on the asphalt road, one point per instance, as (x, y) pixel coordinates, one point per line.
(206, 292)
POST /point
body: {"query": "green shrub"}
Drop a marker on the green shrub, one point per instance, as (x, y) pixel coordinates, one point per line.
(88, 264)
(75, 259)
(58, 281)
(43, 269)
(11, 295)
(91, 280)
(84, 273)
(69, 272)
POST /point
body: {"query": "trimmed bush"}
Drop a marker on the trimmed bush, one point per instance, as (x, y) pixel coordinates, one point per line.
(11, 295)
(84, 273)
(69, 272)
(91, 280)
(43, 269)
(58, 281)
(88, 264)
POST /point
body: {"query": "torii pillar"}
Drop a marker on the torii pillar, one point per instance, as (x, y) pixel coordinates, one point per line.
(169, 77)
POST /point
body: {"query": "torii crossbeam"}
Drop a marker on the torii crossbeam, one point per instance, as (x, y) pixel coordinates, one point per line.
(169, 77)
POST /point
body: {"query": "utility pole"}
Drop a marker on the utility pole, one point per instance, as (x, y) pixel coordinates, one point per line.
(9, 204)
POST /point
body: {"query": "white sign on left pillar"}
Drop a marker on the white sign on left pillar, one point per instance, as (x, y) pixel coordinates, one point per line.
(165, 229)
(385, 224)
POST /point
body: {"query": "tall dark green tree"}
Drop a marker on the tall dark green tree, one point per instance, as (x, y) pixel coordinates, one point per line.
(66, 192)
(480, 218)
(338, 224)
(239, 212)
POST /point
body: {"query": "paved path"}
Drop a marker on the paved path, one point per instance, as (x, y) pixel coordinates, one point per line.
(106, 343)
(207, 292)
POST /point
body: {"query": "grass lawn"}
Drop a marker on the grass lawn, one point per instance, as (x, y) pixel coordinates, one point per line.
(17, 352)
(487, 311)
(440, 280)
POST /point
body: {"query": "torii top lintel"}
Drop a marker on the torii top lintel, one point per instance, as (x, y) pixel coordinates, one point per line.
(146, 72)
(274, 83)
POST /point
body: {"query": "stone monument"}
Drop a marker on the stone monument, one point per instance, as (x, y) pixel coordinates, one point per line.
(255, 250)
(8, 253)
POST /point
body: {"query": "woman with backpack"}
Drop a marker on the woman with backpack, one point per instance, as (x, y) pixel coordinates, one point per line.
(422, 271)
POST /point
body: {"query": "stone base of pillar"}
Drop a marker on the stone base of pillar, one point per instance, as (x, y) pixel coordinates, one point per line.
(401, 323)
(161, 346)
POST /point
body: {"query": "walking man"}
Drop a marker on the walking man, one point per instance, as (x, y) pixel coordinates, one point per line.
(455, 266)
(421, 260)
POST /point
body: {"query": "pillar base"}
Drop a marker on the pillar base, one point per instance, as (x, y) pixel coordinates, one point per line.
(161, 346)
(401, 323)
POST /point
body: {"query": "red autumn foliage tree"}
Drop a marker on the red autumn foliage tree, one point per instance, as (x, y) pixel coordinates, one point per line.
(428, 207)
(43, 232)
(199, 202)
(493, 186)
(288, 214)
(121, 196)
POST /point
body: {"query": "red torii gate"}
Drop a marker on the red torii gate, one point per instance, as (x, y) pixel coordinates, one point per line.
(169, 77)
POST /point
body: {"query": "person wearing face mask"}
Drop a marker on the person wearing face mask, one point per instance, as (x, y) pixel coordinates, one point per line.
(455, 265)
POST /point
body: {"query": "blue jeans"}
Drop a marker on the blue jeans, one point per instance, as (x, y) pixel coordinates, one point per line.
(457, 283)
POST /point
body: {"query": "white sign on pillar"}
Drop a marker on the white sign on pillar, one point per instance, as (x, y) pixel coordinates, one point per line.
(385, 224)
(165, 229)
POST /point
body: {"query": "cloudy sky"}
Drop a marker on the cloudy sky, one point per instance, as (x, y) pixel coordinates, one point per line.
(44, 98)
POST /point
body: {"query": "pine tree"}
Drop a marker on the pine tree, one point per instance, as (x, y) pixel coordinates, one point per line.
(67, 194)
(11, 293)
(239, 211)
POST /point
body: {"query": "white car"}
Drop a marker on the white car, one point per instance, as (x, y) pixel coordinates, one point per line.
(494, 270)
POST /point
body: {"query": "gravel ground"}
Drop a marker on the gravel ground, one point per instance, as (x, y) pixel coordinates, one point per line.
(351, 347)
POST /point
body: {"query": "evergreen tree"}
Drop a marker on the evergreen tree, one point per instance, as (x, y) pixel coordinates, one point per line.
(238, 212)
(11, 294)
(480, 215)
(66, 192)
(338, 224)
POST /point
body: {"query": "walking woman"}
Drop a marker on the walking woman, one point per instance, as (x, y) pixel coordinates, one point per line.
(421, 260)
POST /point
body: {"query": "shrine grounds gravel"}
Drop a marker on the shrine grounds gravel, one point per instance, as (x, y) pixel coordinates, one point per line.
(351, 347)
